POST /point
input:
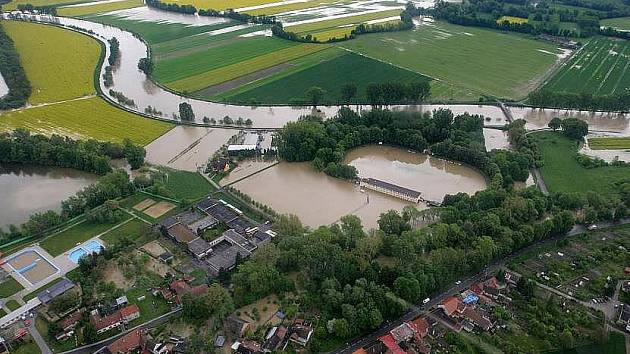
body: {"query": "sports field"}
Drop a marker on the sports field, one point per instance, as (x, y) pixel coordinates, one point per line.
(500, 64)
(622, 23)
(562, 172)
(609, 143)
(86, 118)
(329, 75)
(59, 63)
(72, 10)
(601, 67)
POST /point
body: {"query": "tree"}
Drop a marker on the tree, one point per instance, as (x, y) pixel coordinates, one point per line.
(407, 288)
(134, 154)
(574, 128)
(89, 333)
(348, 92)
(341, 328)
(374, 94)
(315, 95)
(146, 66)
(555, 123)
(186, 112)
(566, 339)
(392, 223)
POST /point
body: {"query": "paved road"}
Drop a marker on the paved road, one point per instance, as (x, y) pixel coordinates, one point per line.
(416, 311)
(37, 337)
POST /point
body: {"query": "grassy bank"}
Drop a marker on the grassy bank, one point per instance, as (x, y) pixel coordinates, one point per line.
(609, 143)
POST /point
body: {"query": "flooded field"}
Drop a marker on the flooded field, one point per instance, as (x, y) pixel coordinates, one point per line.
(496, 139)
(246, 168)
(186, 148)
(28, 189)
(538, 118)
(318, 199)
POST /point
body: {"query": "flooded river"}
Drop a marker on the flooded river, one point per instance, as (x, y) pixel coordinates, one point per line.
(538, 118)
(25, 190)
(317, 199)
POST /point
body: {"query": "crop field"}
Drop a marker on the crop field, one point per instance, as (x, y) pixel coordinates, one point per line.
(472, 58)
(86, 118)
(609, 143)
(279, 7)
(155, 32)
(229, 72)
(601, 67)
(219, 4)
(562, 172)
(622, 23)
(512, 19)
(66, 71)
(329, 75)
(72, 10)
(170, 70)
(12, 5)
(338, 27)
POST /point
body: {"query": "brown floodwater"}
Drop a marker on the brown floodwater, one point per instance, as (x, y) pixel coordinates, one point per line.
(538, 118)
(317, 199)
(25, 190)
(496, 139)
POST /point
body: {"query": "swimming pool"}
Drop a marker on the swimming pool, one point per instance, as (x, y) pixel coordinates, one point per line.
(93, 246)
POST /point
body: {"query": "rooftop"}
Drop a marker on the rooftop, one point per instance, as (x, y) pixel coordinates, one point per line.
(199, 246)
(182, 234)
(55, 290)
(392, 187)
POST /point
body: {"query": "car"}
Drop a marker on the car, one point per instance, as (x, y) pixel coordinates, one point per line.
(27, 323)
(426, 301)
(458, 282)
(591, 227)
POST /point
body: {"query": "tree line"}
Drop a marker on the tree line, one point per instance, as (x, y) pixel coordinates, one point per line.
(376, 94)
(20, 146)
(618, 102)
(13, 74)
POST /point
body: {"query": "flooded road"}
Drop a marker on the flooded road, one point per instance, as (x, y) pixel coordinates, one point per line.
(538, 118)
(29, 189)
(496, 139)
(317, 199)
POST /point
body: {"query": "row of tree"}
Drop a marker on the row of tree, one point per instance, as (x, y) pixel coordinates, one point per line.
(20, 146)
(376, 94)
(617, 102)
(13, 74)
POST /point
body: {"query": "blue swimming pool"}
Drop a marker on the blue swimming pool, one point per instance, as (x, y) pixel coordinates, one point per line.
(89, 247)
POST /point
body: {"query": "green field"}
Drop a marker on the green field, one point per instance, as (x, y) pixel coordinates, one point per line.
(219, 4)
(28, 347)
(622, 23)
(601, 67)
(98, 8)
(9, 287)
(155, 32)
(562, 173)
(329, 75)
(494, 63)
(609, 143)
(59, 63)
(12, 5)
(132, 230)
(86, 118)
(12, 305)
(187, 185)
(179, 68)
(65, 240)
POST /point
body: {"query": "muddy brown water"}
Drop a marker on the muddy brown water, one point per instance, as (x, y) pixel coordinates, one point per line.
(538, 118)
(25, 190)
(317, 199)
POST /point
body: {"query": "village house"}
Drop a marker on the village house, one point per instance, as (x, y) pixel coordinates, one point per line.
(453, 307)
(116, 319)
(128, 343)
(301, 332)
(246, 347)
(274, 338)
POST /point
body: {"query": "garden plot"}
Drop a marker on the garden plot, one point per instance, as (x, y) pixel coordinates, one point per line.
(144, 204)
(159, 209)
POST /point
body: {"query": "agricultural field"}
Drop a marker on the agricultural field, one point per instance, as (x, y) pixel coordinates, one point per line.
(329, 75)
(622, 23)
(82, 10)
(13, 4)
(609, 143)
(601, 67)
(66, 71)
(512, 19)
(85, 118)
(561, 166)
(468, 57)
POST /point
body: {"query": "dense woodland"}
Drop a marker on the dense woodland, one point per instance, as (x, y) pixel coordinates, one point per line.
(13, 74)
(452, 137)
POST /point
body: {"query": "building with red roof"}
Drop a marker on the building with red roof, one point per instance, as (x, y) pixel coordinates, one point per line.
(128, 343)
(451, 305)
(391, 344)
(130, 313)
(421, 326)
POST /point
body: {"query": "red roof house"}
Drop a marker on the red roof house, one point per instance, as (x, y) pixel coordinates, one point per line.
(391, 344)
(451, 305)
(128, 343)
(421, 326)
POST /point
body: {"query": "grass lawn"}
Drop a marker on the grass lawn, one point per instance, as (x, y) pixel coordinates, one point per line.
(187, 185)
(155, 32)
(469, 57)
(600, 68)
(9, 287)
(609, 143)
(238, 69)
(13, 305)
(33, 294)
(329, 75)
(622, 23)
(86, 118)
(2, 313)
(59, 63)
(28, 347)
(63, 241)
(150, 307)
(562, 173)
(98, 8)
(132, 230)
(197, 63)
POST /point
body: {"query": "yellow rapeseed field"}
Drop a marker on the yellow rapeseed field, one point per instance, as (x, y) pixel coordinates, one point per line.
(59, 63)
(85, 118)
(512, 19)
